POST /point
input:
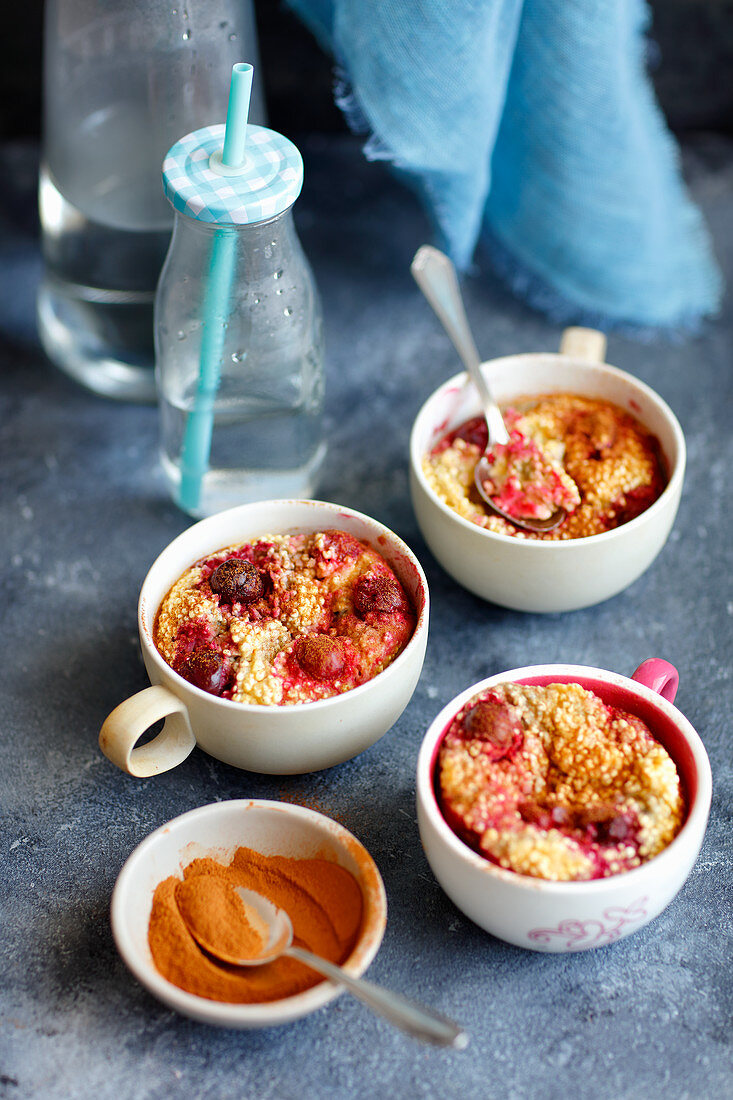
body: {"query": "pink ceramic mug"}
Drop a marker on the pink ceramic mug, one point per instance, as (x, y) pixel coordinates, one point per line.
(572, 916)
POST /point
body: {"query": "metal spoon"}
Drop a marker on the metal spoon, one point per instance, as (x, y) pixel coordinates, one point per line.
(277, 931)
(436, 276)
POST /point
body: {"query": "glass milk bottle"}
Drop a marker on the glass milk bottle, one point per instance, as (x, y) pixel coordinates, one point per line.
(238, 334)
(122, 80)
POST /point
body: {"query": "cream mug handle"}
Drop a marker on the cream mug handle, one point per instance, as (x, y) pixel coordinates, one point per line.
(128, 722)
(660, 676)
(584, 343)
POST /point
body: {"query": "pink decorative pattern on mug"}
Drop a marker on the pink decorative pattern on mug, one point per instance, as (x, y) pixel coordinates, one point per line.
(579, 934)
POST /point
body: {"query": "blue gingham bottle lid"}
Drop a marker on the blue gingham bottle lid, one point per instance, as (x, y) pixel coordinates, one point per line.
(197, 183)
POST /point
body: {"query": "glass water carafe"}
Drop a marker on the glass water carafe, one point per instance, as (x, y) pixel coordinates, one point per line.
(238, 332)
(121, 81)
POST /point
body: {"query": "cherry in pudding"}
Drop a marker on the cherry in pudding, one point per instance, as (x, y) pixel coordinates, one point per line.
(322, 657)
(377, 593)
(204, 668)
(492, 724)
(237, 581)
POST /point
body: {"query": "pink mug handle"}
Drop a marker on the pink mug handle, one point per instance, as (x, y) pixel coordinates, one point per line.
(660, 676)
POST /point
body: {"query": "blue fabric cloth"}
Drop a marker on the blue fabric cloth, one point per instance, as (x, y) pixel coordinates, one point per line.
(532, 123)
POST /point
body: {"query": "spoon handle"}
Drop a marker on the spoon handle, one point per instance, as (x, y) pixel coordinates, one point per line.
(436, 276)
(417, 1021)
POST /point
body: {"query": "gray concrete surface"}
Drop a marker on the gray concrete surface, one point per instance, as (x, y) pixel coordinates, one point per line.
(83, 514)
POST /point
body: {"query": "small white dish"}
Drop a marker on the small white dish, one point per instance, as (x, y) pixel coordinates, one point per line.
(280, 740)
(571, 916)
(217, 830)
(529, 574)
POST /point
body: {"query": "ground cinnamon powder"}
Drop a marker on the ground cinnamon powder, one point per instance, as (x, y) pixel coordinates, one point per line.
(218, 918)
(323, 901)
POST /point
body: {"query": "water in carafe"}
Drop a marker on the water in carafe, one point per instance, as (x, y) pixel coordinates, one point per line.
(118, 86)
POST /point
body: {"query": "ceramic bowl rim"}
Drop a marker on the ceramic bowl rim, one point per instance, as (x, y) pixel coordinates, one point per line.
(224, 1013)
(275, 712)
(695, 821)
(672, 488)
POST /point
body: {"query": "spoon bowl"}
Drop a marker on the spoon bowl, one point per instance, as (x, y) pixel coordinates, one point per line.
(436, 276)
(482, 473)
(275, 928)
(273, 925)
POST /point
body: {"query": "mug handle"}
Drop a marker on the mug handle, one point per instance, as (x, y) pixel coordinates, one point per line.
(584, 343)
(128, 722)
(660, 676)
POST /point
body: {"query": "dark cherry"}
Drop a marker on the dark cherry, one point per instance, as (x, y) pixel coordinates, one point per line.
(205, 669)
(632, 504)
(599, 427)
(545, 818)
(473, 431)
(595, 815)
(343, 546)
(491, 720)
(607, 824)
(321, 656)
(374, 592)
(534, 814)
(237, 581)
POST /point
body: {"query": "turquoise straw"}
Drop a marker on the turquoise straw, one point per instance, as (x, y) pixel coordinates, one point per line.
(196, 449)
(235, 135)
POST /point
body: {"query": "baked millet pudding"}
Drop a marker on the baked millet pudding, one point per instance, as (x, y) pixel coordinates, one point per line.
(285, 619)
(598, 462)
(553, 783)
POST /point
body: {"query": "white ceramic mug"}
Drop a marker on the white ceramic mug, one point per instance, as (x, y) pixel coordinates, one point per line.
(281, 740)
(543, 575)
(572, 916)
